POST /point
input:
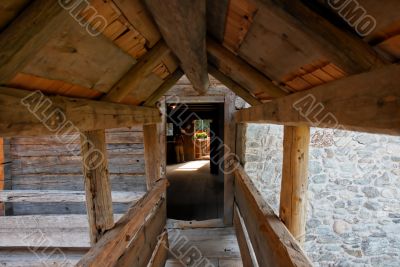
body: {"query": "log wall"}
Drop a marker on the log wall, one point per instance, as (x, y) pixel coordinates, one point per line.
(47, 163)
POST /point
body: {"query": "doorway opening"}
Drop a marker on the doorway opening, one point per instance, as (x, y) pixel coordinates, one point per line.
(194, 155)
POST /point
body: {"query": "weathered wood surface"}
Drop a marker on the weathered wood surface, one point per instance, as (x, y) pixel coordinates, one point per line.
(44, 196)
(179, 224)
(367, 102)
(97, 183)
(233, 86)
(137, 14)
(160, 254)
(54, 231)
(216, 18)
(167, 85)
(243, 239)
(152, 154)
(272, 242)
(9, 9)
(25, 37)
(183, 26)
(114, 243)
(344, 49)
(141, 247)
(241, 72)
(229, 154)
(133, 78)
(32, 113)
(293, 199)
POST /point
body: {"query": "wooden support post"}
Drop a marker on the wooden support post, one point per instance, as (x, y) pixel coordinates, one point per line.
(162, 137)
(2, 176)
(5, 174)
(293, 203)
(151, 154)
(97, 183)
(229, 149)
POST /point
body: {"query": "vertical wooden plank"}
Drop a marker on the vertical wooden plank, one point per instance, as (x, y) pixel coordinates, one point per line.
(243, 241)
(151, 154)
(162, 137)
(293, 202)
(229, 149)
(97, 183)
(160, 254)
(2, 176)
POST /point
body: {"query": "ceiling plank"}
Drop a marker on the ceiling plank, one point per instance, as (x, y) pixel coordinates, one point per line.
(52, 113)
(168, 83)
(367, 102)
(131, 80)
(240, 71)
(345, 50)
(137, 14)
(183, 25)
(26, 35)
(216, 18)
(233, 86)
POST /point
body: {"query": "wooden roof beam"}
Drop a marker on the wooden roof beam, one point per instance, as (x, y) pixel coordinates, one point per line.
(233, 86)
(26, 35)
(183, 25)
(57, 111)
(367, 102)
(348, 52)
(240, 71)
(131, 80)
(168, 83)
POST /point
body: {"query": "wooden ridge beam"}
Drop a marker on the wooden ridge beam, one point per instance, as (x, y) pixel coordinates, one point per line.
(293, 199)
(183, 25)
(272, 242)
(52, 196)
(115, 242)
(233, 86)
(168, 84)
(348, 52)
(240, 71)
(56, 114)
(366, 102)
(137, 73)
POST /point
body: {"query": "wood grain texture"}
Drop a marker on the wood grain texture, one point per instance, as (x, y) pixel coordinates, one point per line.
(367, 102)
(272, 242)
(241, 72)
(233, 86)
(293, 198)
(160, 255)
(242, 237)
(97, 183)
(151, 154)
(51, 115)
(131, 80)
(183, 26)
(114, 243)
(216, 18)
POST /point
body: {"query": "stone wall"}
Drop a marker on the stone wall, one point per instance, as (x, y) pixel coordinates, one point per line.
(354, 192)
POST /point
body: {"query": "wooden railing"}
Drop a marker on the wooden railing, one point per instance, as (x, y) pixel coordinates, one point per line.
(259, 229)
(138, 237)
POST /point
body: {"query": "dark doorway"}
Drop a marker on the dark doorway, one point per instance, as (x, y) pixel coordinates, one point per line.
(194, 155)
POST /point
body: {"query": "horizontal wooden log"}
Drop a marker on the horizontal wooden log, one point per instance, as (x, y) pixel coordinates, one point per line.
(43, 196)
(243, 239)
(32, 113)
(114, 243)
(367, 102)
(54, 231)
(272, 242)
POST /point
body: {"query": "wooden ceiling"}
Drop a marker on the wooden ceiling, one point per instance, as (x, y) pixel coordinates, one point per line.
(266, 48)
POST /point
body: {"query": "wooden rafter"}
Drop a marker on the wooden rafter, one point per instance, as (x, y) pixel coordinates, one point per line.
(183, 25)
(131, 80)
(240, 71)
(345, 50)
(367, 102)
(233, 86)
